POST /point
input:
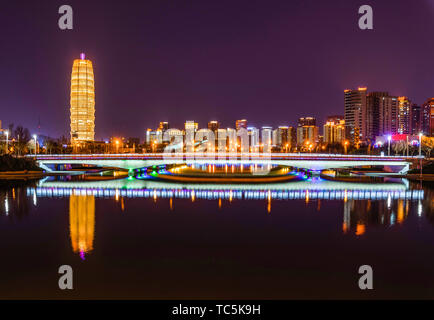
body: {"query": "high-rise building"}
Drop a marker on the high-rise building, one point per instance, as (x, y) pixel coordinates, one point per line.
(191, 125)
(307, 134)
(428, 117)
(282, 136)
(334, 130)
(253, 134)
(266, 137)
(213, 126)
(371, 115)
(163, 126)
(82, 100)
(403, 115)
(335, 118)
(415, 119)
(388, 115)
(355, 106)
(292, 137)
(153, 137)
(306, 121)
(241, 124)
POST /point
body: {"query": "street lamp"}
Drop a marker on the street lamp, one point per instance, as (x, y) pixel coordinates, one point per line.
(7, 141)
(389, 137)
(420, 153)
(420, 144)
(34, 137)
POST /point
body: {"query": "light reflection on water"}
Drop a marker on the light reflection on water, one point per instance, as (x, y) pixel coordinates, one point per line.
(364, 204)
(362, 207)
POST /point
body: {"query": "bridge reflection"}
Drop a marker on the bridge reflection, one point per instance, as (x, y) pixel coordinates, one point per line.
(232, 194)
(313, 188)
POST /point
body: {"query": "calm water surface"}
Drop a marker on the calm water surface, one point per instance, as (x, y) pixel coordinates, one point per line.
(134, 238)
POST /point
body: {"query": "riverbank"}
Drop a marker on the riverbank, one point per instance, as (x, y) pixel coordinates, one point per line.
(20, 175)
(418, 177)
(14, 168)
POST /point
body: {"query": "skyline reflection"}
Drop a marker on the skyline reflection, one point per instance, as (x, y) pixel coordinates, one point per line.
(362, 207)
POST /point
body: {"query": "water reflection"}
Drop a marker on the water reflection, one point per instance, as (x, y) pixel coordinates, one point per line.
(82, 223)
(363, 205)
(14, 199)
(360, 214)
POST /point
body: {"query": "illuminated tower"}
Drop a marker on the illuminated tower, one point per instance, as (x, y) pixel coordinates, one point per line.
(82, 101)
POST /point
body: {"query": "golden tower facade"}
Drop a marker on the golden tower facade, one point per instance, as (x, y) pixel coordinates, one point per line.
(82, 101)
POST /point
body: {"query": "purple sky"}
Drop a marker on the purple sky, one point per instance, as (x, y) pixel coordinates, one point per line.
(268, 61)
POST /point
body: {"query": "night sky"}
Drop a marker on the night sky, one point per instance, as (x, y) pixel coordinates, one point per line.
(268, 61)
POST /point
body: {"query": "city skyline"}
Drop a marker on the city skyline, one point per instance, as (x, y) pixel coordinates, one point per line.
(231, 81)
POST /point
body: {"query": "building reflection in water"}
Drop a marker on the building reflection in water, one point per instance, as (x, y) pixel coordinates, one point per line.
(14, 202)
(82, 223)
(385, 205)
(358, 215)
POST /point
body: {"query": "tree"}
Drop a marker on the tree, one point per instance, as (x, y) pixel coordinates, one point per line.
(427, 145)
(22, 136)
(399, 146)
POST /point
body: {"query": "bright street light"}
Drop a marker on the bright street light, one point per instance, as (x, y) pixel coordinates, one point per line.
(389, 137)
(420, 153)
(7, 141)
(34, 137)
(420, 144)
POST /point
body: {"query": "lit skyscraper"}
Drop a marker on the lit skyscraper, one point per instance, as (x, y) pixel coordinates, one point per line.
(306, 121)
(191, 125)
(334, 130)
(355, 106)
(388, 115)
(82, 100)
(403, 115)
(371, 114)
(241, 124)
(428, 117)
(415, 119)
(213, 125)
(163, 126)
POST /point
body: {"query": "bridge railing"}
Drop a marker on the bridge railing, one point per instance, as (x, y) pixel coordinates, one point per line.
(217, 155)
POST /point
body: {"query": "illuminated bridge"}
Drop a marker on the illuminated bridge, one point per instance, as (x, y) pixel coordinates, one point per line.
(317, 162)
(312, 188)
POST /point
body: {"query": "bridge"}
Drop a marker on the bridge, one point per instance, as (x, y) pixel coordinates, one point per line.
(310, 161)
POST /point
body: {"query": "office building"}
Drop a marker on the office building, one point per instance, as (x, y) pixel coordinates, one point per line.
(307, 121)
(191, 125)
(163, 126)
(428, 117)
(371, 115)
(403, 120)
(307, 134)
(334, 130)
(292, 137)
(241, 124)
(213, 126)
(388, 115)
(415, 119)
(355, 106)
